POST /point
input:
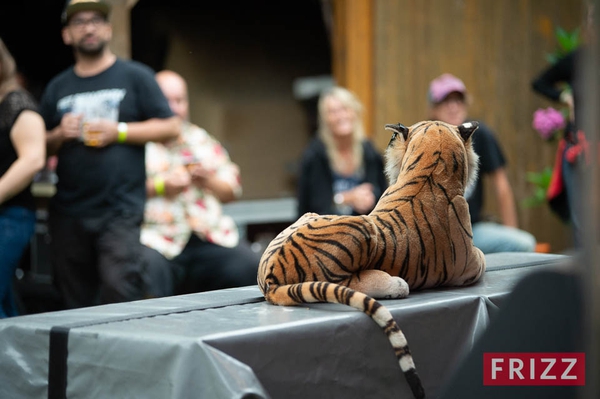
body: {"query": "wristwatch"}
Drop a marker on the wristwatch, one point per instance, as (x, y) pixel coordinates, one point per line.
(338, 199)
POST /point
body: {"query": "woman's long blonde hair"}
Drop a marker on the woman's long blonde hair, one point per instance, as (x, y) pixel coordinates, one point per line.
(348, 99)
(8, 71)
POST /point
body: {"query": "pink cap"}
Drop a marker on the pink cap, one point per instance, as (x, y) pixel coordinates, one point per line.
(443, 85)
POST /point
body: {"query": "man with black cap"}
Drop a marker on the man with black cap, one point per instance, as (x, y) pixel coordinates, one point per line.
(99, 114)
(449, 102)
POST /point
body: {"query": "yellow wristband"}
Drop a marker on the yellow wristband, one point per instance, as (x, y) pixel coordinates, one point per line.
(159, 186)
(122, 129)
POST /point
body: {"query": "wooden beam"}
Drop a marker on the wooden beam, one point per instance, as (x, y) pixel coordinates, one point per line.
(352, 52)
(121, 23)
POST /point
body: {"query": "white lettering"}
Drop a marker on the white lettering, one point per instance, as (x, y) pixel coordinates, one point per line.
(495, 367)
(515, 370)
(565, 375)
(551, 363)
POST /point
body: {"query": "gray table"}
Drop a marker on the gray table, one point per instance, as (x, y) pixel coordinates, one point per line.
(231, 344)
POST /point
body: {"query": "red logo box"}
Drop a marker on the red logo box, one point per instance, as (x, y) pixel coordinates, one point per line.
(521, 368)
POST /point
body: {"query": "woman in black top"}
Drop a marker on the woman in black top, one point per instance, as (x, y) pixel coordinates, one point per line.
(22, 155)
(341, 171)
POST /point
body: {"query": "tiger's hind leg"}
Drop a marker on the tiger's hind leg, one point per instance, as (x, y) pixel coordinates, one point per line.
(378, 284)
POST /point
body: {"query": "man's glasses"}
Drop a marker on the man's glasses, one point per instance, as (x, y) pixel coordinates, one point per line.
(79, 23)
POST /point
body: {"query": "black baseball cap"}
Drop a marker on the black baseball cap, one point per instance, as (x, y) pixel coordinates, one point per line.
(75, 6)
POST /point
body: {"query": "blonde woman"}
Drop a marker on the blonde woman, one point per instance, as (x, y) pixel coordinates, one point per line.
(22, 155)
(341, 171)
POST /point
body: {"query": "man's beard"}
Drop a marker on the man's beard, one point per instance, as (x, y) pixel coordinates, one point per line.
(91, 51)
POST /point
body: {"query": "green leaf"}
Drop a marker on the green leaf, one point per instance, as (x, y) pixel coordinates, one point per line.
(539, 179)
(567, 41)
(560, 34)
(541, 182)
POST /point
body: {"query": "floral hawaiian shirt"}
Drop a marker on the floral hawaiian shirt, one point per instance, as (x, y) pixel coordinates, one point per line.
(168, 223)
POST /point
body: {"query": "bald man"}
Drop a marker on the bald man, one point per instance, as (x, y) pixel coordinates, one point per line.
(188, 180)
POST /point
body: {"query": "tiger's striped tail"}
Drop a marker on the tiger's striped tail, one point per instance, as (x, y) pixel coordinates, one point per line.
(320, 291)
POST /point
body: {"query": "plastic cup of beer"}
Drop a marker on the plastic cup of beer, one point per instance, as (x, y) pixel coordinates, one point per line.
(91, 138)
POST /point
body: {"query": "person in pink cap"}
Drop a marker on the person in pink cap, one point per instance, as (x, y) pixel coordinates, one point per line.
(449, 102)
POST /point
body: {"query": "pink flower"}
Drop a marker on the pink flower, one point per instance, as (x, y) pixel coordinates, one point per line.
(547, 122)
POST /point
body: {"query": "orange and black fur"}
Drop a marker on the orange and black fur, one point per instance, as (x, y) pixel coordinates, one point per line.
(418, 236)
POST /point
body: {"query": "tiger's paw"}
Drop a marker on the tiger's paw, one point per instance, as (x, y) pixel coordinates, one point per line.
(398, 288)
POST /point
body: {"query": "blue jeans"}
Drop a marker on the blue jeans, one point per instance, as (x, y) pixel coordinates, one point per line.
(17, 225)
(494, 237)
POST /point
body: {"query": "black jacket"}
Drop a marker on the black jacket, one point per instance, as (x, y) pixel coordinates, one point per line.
(315, 187)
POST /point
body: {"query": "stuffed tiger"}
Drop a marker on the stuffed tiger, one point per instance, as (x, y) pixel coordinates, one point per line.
(418, 236)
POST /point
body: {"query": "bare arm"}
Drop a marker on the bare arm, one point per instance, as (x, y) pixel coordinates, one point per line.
(360, 198)
(159, 130)
(174, 183)
(504, 197)
(205, 180)
(171, 184)
(68, 129)
(27, 136)
(155, 129)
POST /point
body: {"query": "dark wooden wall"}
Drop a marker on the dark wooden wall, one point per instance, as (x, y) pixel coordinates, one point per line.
(496, 47)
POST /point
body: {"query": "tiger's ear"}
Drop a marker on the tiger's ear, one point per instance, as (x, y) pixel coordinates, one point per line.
(467, 129)
(397, 129)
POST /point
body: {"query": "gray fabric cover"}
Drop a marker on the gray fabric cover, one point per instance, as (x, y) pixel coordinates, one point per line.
(232, 344)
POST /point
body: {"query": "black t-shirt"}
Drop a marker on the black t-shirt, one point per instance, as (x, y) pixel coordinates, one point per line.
(491, 158)
(11, 107)
(94, 180)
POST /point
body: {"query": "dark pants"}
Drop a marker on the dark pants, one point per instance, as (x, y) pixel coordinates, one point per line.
(208, 266)
(162, 274)
(17, 225)
(202, 266)
(97, 260)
